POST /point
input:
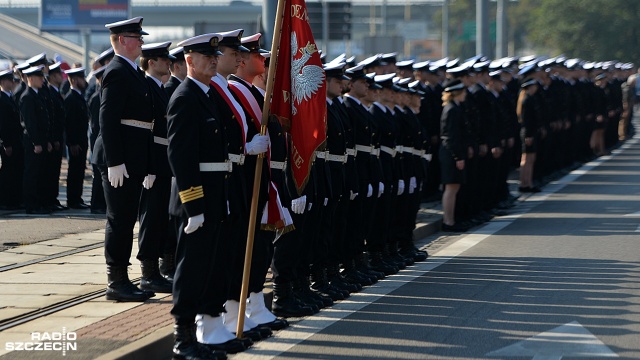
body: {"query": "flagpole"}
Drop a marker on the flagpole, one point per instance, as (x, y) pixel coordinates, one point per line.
(275, 43)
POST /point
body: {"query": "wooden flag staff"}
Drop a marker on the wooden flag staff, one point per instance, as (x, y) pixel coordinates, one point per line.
(275, 44)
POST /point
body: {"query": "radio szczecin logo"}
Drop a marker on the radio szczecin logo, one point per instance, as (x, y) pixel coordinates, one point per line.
(46, 341)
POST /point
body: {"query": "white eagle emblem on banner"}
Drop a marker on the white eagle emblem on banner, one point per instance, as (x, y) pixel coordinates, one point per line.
(305, 79)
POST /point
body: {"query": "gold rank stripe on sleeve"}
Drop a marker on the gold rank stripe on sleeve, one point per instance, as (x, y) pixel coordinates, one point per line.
(193, 193)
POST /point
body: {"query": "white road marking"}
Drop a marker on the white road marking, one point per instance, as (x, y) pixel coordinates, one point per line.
(571, 339)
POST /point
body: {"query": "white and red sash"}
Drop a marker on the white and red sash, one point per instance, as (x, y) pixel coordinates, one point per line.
(221, 85)
(274, 216)
(248, 101)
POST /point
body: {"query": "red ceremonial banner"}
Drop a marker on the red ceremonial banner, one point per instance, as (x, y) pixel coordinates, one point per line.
(299, 93)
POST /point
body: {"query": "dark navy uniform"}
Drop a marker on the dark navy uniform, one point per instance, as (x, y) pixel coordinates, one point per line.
(125, 102)
(76, 124)
(98, 204)
(35, 122)
(12, 166)
(196, 136)
(154, 202)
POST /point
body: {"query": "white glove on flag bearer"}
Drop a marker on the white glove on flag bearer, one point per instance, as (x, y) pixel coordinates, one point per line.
(258, 145)
(298, 205)
(369, 191)
(116, 175)
(147, 183)
(194, 223)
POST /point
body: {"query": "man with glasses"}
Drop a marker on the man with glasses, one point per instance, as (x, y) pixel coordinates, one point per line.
(121, 152)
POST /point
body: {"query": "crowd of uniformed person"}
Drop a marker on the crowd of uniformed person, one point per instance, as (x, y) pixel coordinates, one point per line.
(174, 143)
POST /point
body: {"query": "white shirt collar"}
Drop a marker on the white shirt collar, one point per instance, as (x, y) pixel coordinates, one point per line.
(354, 99)
(329, 101)
(132, 63)
(154, 79)
(202, 86)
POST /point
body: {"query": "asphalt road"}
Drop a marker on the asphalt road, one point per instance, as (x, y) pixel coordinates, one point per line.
(559, 278)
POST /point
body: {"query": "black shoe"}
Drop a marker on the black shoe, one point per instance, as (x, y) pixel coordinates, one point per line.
(252, 335)
(38, 211)
(186, 347)
(120, 288)
(264, 331)
(232, 346)
(152, 280)
(290, 308)
(277, 324)
(98, 211)
(58, 207)
(78, 206)
(127, 292)
(453, 228)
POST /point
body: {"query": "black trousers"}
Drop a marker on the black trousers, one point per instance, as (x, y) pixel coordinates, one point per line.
(52, 176)
(75, 177)
(122, 212)
(354, 238)
(34, 177)
(11, 175)
(260, 258)
(97, 192)
(193, 282)
(154, 219)
(290, 257)
(400, 214)
(379, 225)
(338, 241)
(175, 226)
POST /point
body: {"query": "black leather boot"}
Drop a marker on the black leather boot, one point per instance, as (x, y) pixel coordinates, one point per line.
(168, 266)
(285, 304)
(378, 264)
(186, 347)
(337, 280)
(362, 265)
(151, 278)
(120, 288)
(320, 283)
(302, 288)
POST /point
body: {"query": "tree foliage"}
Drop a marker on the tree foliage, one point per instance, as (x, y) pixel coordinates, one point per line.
(593, 29)
(589, 29)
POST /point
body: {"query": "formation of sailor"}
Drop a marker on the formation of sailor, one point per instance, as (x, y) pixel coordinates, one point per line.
(175, 144)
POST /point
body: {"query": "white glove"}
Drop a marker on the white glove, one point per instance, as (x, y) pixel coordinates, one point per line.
(326, 200)
(298, 205)
(147, 183)
(400, 187)
(258, 145)
(369, 191)
(194, 223)
(413, 185)
(380, 189)
(116, 175)
(353, 195)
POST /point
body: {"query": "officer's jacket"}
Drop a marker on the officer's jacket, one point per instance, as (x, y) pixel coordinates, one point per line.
(196, 135)
(158, 154)
(125, 96)
(34, 118)
(76, 119)
(10, 128)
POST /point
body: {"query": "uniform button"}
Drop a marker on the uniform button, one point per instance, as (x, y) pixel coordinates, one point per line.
(226, 176)
(339, 134)
(216, 131)
(233, 117)
(366, 128)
